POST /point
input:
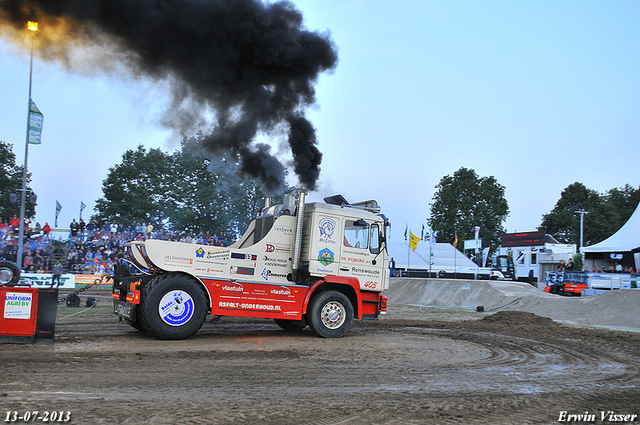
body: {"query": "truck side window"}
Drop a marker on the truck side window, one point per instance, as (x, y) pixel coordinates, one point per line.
(356, 235)
(534, 259)
(375, 239)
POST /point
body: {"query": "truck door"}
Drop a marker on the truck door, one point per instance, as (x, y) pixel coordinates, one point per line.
(360, 246)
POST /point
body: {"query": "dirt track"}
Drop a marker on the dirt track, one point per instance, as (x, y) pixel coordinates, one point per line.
(408, 368)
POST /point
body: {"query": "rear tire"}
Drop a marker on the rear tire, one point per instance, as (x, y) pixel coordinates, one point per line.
(172, 307)
(291, 325)
(9, 273)
(330, 314)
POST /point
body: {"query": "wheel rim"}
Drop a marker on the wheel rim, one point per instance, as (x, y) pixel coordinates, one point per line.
(6, 275)
(333, 315)
(176, 308)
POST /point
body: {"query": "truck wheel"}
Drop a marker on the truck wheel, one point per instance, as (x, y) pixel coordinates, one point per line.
(291, 325)
(9, 273)
(172, 307)
(330, 314)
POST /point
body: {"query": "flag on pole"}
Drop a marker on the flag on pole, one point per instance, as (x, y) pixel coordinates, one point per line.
(432, 239)
(35, 124)
(422, 234)
(82, 207)
(58, 208)
(455, 241)
(413, 242)
(405, 231)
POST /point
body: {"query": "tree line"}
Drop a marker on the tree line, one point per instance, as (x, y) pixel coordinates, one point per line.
(465, 200)
(189, 190)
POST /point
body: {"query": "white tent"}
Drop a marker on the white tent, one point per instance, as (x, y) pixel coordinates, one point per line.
(624, 240)
(445, 256)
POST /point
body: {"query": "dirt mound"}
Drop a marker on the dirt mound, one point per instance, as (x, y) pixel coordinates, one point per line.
(618, 309)
(518, 317)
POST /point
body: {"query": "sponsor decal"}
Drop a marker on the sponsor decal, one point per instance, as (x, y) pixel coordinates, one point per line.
(266, 274)
(200, 253)
(355, 260)
(218, 254)
(325, 256)
(281, 291)
(318, 269)
(243, 256)
(287, 230)
(17, 305)
(277, 248)
(232, 288)
(366, 272)
(176, 308)
(362, 252)
(175, 259)
(242, 270)
(327, 226)
(249, 306)
(275, 262)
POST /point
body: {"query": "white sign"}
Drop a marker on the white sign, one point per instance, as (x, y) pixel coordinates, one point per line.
(43, 280)
(17, 305)
(473, 244)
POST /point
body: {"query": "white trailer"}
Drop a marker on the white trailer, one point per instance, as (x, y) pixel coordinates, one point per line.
(533, 254)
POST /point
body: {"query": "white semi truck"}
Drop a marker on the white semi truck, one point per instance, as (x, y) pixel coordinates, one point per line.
(316, 264)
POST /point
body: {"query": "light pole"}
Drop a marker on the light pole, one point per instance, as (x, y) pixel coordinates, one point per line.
(33, 27)
(577, 210)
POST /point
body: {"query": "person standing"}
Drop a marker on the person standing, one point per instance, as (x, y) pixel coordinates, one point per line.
(74, 229)
(57, 272)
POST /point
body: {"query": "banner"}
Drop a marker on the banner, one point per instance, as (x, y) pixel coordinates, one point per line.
(86, 279)
(485, 256)
(43, 280)
(35, 124)
(58, 208)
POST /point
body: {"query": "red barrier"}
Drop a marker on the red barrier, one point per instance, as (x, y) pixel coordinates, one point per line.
(27, 314)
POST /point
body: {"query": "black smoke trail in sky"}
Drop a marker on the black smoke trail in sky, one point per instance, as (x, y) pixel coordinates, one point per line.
(253, 64)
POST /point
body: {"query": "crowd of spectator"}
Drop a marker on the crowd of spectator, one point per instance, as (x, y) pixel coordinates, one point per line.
(89, 248)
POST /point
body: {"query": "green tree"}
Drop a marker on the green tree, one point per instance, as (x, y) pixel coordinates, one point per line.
(606, 213)
(622, 202)
(464, 201)
(134, 190)
(11, 182)
(187, 190)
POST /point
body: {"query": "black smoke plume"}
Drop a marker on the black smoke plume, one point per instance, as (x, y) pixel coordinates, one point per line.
(250, 65)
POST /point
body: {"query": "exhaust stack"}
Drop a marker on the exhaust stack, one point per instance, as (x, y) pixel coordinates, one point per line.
(297, 241)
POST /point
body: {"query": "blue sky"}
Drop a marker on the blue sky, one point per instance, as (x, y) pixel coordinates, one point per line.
(539, 94)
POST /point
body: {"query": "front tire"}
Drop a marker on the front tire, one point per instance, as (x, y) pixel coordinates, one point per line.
(172, 307)
(330, 314)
